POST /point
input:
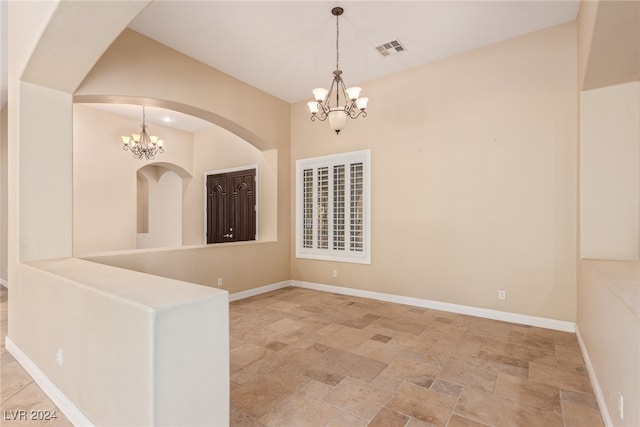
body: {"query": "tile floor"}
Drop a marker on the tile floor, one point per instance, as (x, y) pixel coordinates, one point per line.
(308, 358)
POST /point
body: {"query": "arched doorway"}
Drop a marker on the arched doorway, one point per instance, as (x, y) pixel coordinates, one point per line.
(159, 207)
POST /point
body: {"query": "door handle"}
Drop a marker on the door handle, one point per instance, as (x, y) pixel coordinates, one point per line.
(228, 235)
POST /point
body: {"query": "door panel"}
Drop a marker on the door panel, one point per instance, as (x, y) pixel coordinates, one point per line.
(216, 207)
(231, 206)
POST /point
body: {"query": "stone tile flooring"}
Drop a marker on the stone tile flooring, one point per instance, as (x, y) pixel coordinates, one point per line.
(306, 358)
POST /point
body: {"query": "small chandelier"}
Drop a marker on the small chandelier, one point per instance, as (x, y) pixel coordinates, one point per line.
(354, 105)
(142, 144)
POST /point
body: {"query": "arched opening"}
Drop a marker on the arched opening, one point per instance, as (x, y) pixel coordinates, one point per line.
(106, 176)
(159, 204)
(200, 113)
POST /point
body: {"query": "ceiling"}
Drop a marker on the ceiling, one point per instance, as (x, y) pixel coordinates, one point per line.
(159, 116)
(287, 48)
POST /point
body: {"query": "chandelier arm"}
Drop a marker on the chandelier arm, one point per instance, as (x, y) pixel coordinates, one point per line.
(321, 117)
(350, 110)
(326, 107)
(347, 101)
(354, 113)
(325, 112)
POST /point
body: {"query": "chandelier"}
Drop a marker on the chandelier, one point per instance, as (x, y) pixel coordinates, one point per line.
(142, 144)
(352, 104)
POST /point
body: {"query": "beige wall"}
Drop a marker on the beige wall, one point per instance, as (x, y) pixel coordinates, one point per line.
(104, 177)
(136, 66)
(244, 114)
(44, 207)
(586, 21)
(609, 291)
(163, 210)
(609, 53)
(4, 199)
(610, 172)
(241, 266)
(609, 326)
(77, 300)
(217, 149)
(129, 342)
(473, 178)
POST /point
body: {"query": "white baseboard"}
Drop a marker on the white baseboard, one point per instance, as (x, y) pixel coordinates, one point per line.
(523, 319)
(602, 404)
(257, 291)
(4, 283)
(56, 395)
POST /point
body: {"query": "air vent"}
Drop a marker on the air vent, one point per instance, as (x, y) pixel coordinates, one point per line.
(391, 48)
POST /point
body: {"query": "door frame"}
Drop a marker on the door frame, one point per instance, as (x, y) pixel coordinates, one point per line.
(204, 194)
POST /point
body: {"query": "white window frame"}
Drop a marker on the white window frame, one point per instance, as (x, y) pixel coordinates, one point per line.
(331, 254)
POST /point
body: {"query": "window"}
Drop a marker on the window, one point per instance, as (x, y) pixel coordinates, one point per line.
(333, 207)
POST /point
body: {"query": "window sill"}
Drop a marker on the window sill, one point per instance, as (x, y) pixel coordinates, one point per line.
(346, 259)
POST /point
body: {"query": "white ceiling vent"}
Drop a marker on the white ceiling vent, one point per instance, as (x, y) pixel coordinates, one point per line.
(391, 48)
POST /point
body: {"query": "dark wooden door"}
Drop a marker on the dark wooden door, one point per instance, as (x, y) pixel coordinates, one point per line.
(231, 206)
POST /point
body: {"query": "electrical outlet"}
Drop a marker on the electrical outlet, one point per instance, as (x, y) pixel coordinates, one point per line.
(59, 357)
(219, 281)
(502, 295)
(335, 273)
(621, 405)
